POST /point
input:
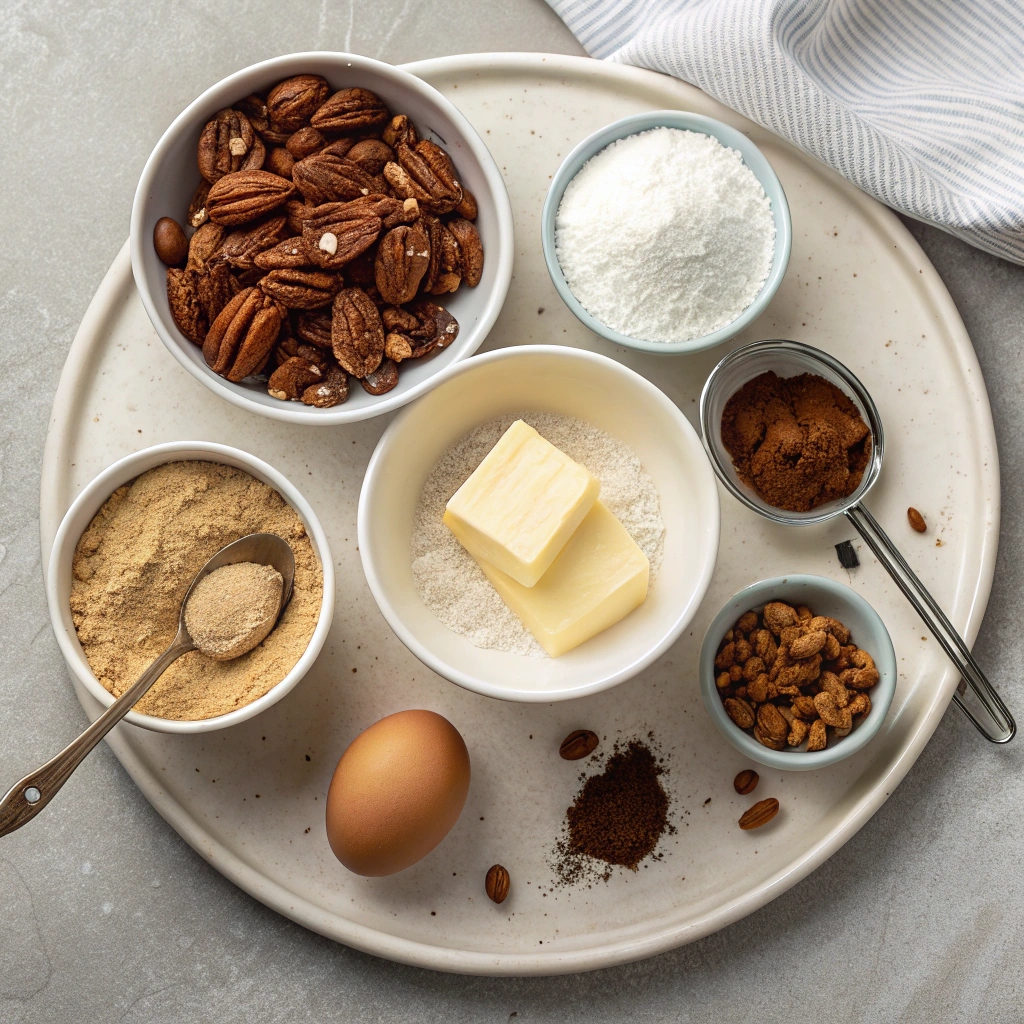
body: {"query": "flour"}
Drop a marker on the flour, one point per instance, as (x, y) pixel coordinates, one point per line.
(665, 236)
(447, 578)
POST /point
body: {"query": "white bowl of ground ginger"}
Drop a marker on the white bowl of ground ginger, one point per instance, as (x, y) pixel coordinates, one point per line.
(124, 556)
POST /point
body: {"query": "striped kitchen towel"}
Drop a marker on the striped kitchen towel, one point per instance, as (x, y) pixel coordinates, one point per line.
(919, 102)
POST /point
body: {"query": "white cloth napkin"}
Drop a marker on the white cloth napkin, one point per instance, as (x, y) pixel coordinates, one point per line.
(919, 102)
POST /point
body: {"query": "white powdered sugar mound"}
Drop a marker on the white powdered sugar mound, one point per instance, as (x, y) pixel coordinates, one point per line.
(665, 236)
(447, 578)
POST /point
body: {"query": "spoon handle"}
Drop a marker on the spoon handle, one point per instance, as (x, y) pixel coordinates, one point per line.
(999, 726)
(26, 798)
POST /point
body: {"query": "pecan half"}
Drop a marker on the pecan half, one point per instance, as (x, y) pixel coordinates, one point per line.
(335, 233)
(449, 260)
(280, 162)
(467, 208)
(438, 328)
(426, 174)
(471, 248)
(497, 883)
(241, 338)
(371, 155)
(285, 255)
(760, 814)
(186, 309)
(240, 248)
(397, 346)
(400, 129)
(327, 178)
(578, 744)
(245, 195)
(402, 260)
(215, 289)
(255, 109)
(382, 380)
(228, 143)
(314, 327)
(203, 246)
(305, 142)
(357, 334)
(293, 102)
(301, 289)
(291, 379)
(351, 110)
(331, 391)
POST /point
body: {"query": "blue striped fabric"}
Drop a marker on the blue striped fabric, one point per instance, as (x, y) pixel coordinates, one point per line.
(919, 102)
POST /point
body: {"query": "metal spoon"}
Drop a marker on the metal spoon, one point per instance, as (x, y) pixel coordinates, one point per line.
(31, 794)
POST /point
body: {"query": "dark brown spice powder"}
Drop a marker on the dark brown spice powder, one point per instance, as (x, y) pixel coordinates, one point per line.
(617, 817)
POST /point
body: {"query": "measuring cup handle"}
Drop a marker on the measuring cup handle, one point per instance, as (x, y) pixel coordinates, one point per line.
(941, 628)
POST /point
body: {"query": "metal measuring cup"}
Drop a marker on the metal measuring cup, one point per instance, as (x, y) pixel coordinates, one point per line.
(788, 359)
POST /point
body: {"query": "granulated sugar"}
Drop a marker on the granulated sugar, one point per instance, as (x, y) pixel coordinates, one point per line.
(665, 236)
(447, 578)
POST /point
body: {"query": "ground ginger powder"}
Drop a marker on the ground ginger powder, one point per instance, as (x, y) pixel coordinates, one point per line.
(133, 566)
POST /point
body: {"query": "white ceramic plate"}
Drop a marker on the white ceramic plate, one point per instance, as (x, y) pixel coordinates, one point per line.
(858, 286)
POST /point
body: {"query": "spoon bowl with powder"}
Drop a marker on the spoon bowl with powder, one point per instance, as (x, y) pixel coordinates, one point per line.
(231, 606)
(746, 396)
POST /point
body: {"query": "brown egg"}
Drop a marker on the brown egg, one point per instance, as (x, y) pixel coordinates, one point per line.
(396, 793)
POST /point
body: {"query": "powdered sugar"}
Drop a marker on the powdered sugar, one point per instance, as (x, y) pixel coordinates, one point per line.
(665, 235)
(452, 585)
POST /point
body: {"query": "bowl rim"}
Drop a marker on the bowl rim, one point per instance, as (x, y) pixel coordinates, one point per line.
(728, 136)
(480, 685)
(797, 760)
(92, 496)
(227, 90)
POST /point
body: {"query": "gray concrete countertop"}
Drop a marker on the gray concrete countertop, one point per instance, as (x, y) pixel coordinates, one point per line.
(106, 914)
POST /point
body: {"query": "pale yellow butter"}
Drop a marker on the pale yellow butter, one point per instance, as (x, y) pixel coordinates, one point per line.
(598, 578)
(521, 504)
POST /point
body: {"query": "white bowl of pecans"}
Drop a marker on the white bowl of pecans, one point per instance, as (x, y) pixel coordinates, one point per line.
(318, 235)
(798, 672)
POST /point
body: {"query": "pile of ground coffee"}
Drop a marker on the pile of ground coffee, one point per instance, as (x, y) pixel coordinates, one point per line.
(799, 442)
(617, 817)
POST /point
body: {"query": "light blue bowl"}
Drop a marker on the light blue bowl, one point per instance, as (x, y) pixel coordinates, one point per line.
(823, 597)
(752, 157)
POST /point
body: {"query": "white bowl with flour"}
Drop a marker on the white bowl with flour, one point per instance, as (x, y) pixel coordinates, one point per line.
(655, 477)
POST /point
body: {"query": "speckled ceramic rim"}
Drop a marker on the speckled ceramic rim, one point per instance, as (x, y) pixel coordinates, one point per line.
(88, 503)
(817, 592)
(150, 273)
(752, 157)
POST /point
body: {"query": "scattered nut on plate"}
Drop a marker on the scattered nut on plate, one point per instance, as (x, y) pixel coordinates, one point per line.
(746, 782)
(578, 744)
(791, 677)
(324, 228)
(760, 814)
(497, 883)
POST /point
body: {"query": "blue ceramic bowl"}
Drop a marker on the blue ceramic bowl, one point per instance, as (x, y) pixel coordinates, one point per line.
(752, 157)
(823, 597)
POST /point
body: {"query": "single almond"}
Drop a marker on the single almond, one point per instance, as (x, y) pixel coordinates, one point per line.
(578, 744)
(497, 883)
(916, 520)
(760, 814)
(746, 782)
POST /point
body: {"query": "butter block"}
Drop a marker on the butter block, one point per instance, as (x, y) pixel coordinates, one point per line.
(521, 504)
(598, 578)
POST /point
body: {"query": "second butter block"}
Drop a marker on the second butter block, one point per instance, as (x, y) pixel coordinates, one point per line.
(521, 504)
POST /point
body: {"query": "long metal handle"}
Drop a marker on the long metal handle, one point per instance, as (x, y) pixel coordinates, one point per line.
(942, 629)
(26, 798)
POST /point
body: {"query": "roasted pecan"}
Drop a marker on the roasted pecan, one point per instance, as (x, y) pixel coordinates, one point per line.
(228, 143)
(916, 520)
(402, 260)
(746, 782)
(314, 327)
(293, 102)
(497, 883)
(246, 195)
(426, 174)
(371, 155)
(400, 129)
(382, 380)
(398, 346)
(467, 208)
(305, 142)
(183, 299)
(215, 289)
(291, 379)
(335, 233)
(285, 255)
(357, 334)
(279, 161)
(578, 744)
(332, 390)
(197, 206)
(438, 328)
(255, 109)
(241, 338)
(350, 110)
(449, 262)
(396, 319)
(328, 178)
(301, 289)
(760, 814)
(203, 246)
(296, 213)
(471, 248)
(240, 248)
